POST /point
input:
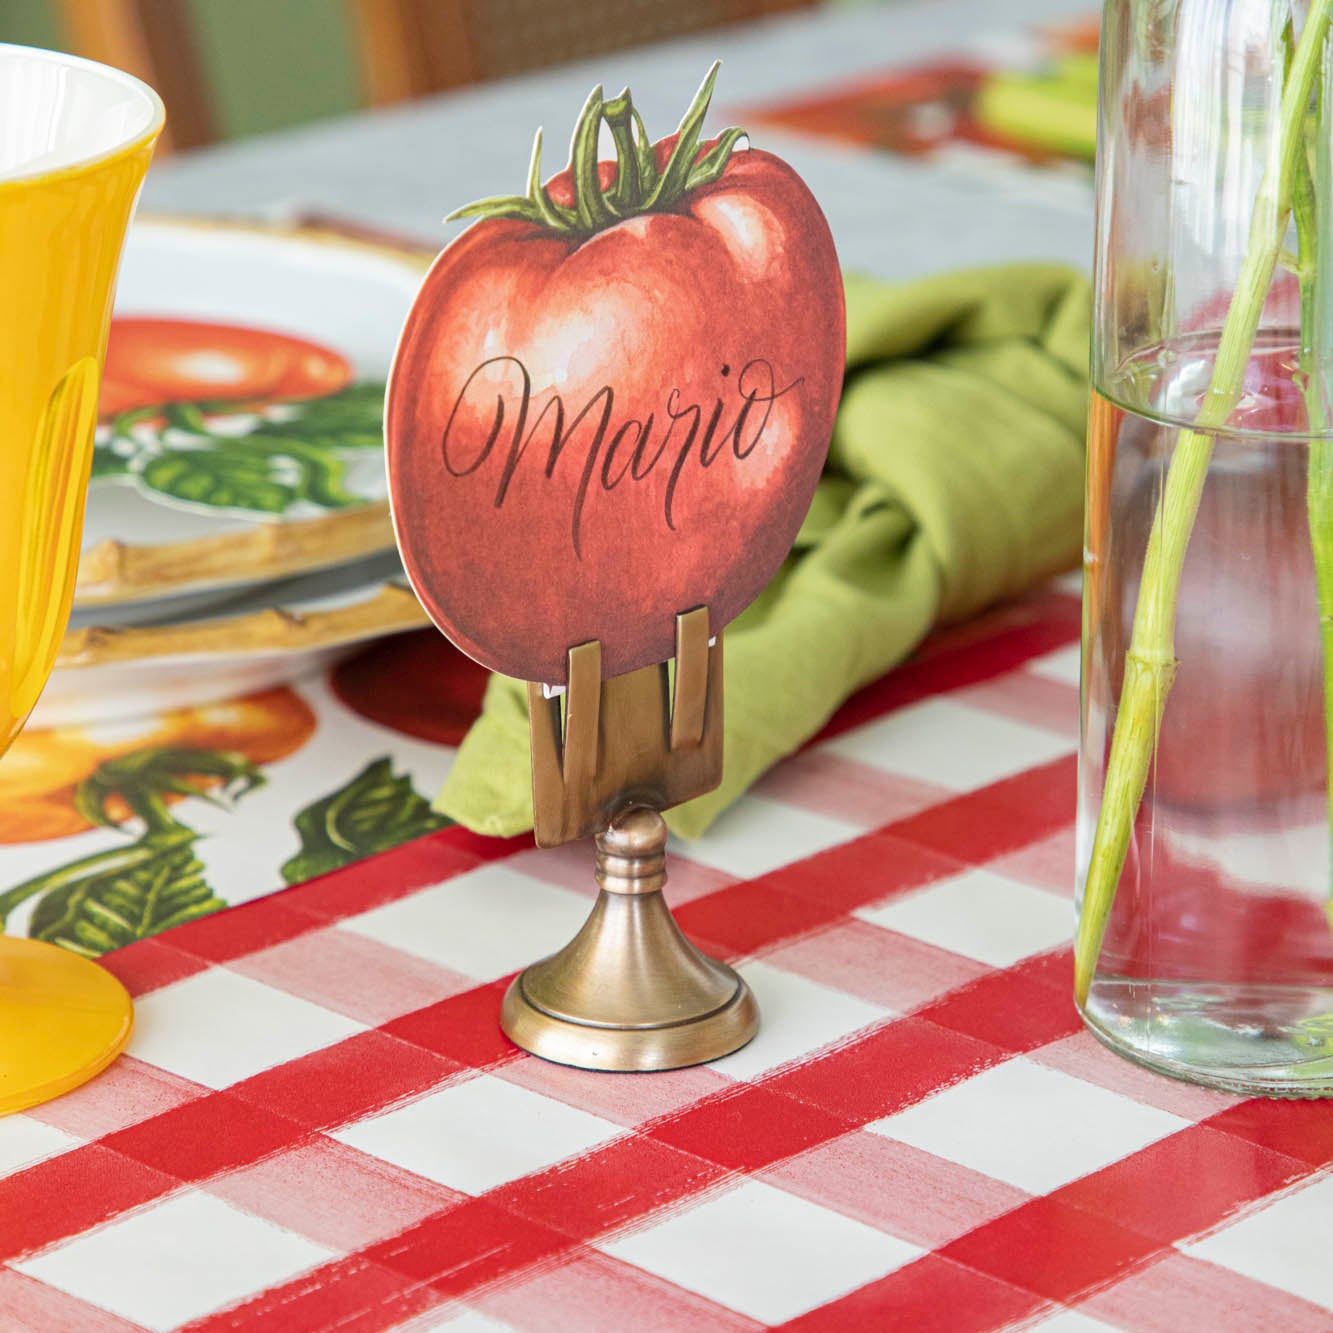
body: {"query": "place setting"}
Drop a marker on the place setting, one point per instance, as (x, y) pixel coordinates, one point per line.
(619, 769)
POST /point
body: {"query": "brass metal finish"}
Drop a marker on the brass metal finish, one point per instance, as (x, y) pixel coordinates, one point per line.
(579, 757)
(621, 742)
(630, 992)
(690, 704)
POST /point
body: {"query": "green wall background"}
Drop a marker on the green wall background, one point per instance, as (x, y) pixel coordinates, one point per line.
(304, 67)
(27, 23)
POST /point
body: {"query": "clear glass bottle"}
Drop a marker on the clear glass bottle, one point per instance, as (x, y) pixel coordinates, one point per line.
(1205, 947)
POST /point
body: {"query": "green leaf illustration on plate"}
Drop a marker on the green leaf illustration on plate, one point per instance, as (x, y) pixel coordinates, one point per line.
(222, 479)
(154, 881)
(353, 418)
(371, 813)
(107, 462)
(267, 458)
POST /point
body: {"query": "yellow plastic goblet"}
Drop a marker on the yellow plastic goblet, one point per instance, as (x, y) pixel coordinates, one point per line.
(75, 139)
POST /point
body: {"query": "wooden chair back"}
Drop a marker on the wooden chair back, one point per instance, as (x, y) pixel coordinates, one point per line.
(406, 48)
(410, 48)
(152, 40)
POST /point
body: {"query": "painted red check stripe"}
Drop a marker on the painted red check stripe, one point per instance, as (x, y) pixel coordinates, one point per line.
(277, 1108)
(220, 1131)
(346, 1082)
(463, 1028)
(1082, 1236)
(1052, 1249)
(749, 1128)
(1225, 1173)
(29, 1306)
(73, 1192)
(1045, 1253)
(553, 1214)
(588, 1198)
(930, 1295)
(1017, 1010)
(593, 1293)
(150, 964)
(351, 1295)
(983, 825)
(1181, 1292)
(750, 917)
(398, 873)
(89, 1185)
(1004, 817)
(254, 925)
(1303, 1130)
(459, 1251)
(1041, 1248)
(886, 1071)
(455, 1252)
(205, 1137)
(968, 654)
(868, 869)
(545, 1217)
(996, 1265)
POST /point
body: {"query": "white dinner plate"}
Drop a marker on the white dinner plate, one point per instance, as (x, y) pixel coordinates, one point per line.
(192, 503)
(255, 639)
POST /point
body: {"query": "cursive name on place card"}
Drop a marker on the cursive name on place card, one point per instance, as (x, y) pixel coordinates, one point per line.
(612, 451)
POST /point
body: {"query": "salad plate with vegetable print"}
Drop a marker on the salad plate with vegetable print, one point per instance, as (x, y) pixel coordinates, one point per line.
(240, 436)
(252, 639)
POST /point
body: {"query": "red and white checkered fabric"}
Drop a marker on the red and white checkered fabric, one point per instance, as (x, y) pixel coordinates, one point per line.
(320, 1126)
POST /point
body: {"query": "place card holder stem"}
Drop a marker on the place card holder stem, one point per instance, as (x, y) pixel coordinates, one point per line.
(629, 992)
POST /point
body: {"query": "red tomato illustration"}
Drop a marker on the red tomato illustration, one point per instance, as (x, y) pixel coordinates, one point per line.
(151, 361)
(613, 397)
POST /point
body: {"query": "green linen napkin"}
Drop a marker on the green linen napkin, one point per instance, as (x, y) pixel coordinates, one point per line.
(954, 480)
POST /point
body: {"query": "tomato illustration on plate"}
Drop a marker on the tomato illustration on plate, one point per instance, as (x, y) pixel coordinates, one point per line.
(613, 397)
(222, 417)
(151, 361)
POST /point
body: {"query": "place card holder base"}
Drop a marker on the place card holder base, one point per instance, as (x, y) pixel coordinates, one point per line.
(629, 992)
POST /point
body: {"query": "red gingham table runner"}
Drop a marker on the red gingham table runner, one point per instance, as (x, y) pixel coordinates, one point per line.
(320, 1126)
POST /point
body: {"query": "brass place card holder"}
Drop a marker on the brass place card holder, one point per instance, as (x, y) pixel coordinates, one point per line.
(629, 992)
(576, 463)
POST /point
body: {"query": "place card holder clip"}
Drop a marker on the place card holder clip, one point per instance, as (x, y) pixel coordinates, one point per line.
(629, 992)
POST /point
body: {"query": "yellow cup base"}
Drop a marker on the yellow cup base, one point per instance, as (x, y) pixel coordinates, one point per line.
(63, 1019)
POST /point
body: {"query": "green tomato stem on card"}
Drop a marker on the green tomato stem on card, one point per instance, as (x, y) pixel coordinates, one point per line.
(639, 186)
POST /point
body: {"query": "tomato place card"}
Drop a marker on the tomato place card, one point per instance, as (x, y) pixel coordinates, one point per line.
(613, 396)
